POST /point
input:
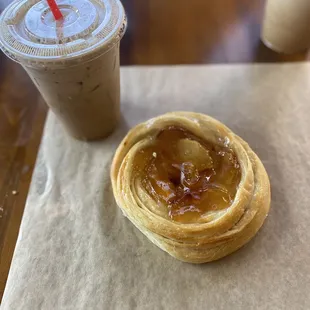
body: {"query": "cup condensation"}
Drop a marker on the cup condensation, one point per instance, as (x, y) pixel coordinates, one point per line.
(73, 62)
(286, 25)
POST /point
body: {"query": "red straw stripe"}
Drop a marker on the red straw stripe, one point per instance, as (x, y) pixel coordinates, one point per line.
(55, 9)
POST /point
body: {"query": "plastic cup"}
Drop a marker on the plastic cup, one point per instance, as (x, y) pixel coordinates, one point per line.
(74, 62)
(286, 25)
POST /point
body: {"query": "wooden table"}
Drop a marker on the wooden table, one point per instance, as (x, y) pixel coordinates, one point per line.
(159, 32)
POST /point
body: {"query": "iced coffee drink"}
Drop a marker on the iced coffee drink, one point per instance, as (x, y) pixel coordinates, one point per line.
(74, 62)
(286, 25)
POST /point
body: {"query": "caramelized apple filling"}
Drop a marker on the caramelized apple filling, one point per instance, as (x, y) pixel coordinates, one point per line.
(189, 175)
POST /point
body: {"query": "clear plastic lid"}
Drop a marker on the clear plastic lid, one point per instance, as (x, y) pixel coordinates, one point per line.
(29, 34)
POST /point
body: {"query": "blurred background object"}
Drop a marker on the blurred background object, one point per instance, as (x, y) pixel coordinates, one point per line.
(160, 32)
(286, 25)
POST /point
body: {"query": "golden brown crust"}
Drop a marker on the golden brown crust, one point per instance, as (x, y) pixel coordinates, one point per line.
(220, 232)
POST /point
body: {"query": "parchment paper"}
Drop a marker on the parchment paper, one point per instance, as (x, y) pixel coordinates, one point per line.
(76, 251)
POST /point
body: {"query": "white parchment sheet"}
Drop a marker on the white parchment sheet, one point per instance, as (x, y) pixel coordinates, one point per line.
(76, 251)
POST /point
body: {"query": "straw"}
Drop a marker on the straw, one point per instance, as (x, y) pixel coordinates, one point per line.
(55, 9)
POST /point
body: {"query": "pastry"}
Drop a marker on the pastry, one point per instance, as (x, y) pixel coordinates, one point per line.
(191, 186)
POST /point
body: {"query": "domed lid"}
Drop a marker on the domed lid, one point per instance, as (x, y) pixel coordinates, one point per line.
(30, 34)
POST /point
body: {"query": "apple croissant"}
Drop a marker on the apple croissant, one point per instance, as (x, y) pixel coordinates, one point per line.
(192, 186)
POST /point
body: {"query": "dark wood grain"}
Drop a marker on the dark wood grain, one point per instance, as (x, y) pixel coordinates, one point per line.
(159, 32)
(196, 32)
(22, 116)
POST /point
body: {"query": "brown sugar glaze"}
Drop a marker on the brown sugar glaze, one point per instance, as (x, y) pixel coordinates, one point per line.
(189, 175)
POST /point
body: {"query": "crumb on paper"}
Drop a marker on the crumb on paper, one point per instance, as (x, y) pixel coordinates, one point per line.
(154, 154)
(14, 193)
